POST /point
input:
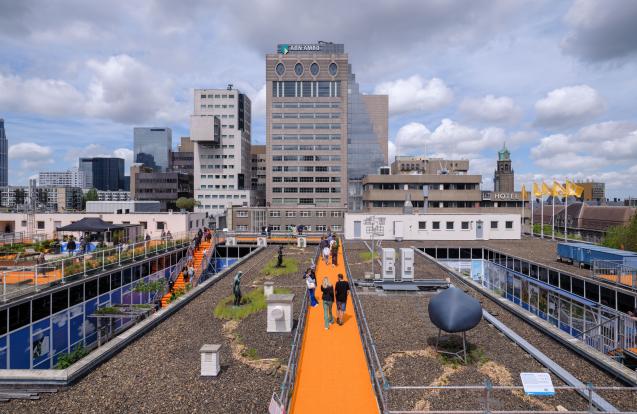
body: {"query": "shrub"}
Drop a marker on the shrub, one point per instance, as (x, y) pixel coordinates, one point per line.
(66, 360)
(252, 302)
(290, 266)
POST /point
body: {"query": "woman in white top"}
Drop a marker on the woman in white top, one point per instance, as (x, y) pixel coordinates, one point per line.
(311, 287)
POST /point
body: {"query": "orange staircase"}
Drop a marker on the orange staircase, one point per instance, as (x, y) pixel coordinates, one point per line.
(180, 282)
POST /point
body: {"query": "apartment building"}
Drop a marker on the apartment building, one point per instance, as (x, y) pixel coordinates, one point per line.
(220, 132)
(70, 178)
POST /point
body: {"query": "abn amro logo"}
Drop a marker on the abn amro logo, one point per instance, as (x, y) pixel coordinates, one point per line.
(283, 49)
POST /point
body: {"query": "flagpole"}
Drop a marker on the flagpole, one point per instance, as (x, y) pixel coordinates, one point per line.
(532, 202)
(566, 211)
(542, 215)
(553, 218)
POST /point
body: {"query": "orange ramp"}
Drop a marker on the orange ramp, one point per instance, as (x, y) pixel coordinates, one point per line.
(332, 376)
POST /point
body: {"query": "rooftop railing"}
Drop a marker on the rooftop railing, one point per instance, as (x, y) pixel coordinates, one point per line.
(28, 279)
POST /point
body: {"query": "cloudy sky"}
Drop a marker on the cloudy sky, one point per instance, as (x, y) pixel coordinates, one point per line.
(555, 80)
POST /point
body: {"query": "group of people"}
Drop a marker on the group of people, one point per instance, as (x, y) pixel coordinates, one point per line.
(71, 246)
(329, 294)
(205, 234)
(166, 235)
(329, 247)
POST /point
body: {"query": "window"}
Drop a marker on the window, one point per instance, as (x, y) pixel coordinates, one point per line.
(275, 214)
(336, 214)
(161, 225)
(242, 213)
(450, 225)
(298, 69)
(321, 227)
(337, 227)
(464, 225)
(422, 225)
(242, 228)
(320, 214)
(435, 225)
(290, 214)
(40, 225)
(494, 224)
(333, 69)
(304, 214)
(314, 69)
(280, 69)
(508, 225)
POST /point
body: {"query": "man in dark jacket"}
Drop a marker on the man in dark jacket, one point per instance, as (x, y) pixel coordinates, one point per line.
(342, 287)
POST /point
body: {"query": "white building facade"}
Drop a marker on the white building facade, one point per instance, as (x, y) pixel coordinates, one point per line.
(220, 131)
(360, 226)
(70, 178)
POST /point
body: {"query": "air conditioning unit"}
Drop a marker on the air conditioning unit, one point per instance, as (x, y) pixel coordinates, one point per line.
(231, 241)
(406, 264)
(262, 242)
(301, 242)
(388, 257)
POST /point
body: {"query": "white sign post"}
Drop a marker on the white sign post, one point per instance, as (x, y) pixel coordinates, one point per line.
(537, 383)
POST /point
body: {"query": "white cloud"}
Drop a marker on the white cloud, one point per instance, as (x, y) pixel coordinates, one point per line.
(125, 153)
(391, 151)
(569, 105)
(491, 109)
(595, 146)
(30, 154)
(412, 137)
(258, 103)
(97, 150)
(121, 89)
(415, 94)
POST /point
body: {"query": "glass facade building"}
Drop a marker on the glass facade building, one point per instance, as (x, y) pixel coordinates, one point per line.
(151, 147)
(106, 174)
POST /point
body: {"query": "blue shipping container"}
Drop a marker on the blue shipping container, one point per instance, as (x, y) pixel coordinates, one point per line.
(586, 254)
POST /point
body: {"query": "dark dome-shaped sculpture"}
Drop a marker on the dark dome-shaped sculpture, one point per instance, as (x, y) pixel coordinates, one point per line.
(454, 311)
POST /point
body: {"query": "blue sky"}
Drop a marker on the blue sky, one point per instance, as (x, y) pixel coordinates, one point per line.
(555, 80)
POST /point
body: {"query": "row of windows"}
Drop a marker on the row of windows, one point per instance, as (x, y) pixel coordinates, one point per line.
(306, 89)
(307, 137)
(464, 225)
(276, 213)
(306, 126)
(222, 196)
(289, 227)
(306, 147)
(306, 105)
(306, 190)
(306, 168)
(306, 179)
(219, 107)
(315, 201)
(217, 156)
(309, 115)
(217, 96)
(332, 69)
(217, 167)
(217, 176)
(306, 157)
(405, 186)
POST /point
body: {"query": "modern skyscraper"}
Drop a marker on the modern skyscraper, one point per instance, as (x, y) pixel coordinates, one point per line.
(103, 173)
(503, 179)
(320, 129)
(151, 147)
(4, 156)
(259, 174)
(220, 132)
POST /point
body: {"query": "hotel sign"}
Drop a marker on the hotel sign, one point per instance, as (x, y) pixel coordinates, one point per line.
(497, 196)
(284, 49)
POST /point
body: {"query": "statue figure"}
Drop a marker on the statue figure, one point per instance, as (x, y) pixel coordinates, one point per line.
(236, 289)
(280, 258)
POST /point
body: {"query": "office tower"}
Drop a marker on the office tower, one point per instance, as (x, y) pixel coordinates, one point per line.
(4, 156)
(152, 147)
(182, 160)
(220, 132)
(166, 187)
(70, 178)
(259, 174)
(103, 173)
(320, 129)
(503, 178)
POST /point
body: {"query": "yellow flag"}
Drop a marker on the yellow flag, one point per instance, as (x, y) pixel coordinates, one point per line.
(545, 189)
(557, 190)
(524, 195)
(578, 190)
(536, 191)
(573, 189)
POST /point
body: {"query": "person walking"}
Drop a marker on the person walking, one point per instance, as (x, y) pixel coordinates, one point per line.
(71, 246)
(334, 251)
(342, 288)
(310, 281)
(328, 300)
(326, 255)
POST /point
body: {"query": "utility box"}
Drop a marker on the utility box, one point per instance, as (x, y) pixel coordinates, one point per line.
(406, 264)
(301, 242)
(262, 242)
(388, 257)
(231, 241)
(268, 288)
(210, 363)
(279, 314)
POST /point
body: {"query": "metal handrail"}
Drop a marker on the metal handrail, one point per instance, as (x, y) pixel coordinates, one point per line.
(373, 361)
(596, 326)
(287, 386)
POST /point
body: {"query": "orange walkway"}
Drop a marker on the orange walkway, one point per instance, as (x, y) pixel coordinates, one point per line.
(180, 282)
(332, 376)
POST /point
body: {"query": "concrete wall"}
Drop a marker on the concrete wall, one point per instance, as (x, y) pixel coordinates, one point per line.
(391, 225)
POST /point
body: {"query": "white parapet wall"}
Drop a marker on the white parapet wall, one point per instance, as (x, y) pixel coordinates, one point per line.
(360, 226)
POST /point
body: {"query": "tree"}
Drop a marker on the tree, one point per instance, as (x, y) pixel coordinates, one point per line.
(622, 237)
(186, 203)
(91, 195)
